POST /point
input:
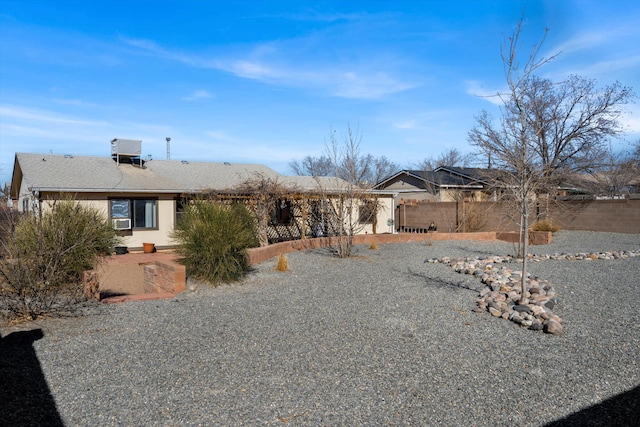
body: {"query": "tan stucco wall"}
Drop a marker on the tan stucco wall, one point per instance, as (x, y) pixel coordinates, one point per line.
(22, 195)
(385, 212)
(166, 208)
(166, 215)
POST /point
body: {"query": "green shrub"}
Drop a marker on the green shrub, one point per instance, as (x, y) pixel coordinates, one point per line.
(46, 257)
(213, 238)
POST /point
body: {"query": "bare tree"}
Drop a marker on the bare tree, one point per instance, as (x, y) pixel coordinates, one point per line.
(346, 195)
(451, 157)
(381, 168)
(312, 166)
(572, 121)
(613, 175)
(364, 170)
(544, 130)
(511, 142)
(635, 154)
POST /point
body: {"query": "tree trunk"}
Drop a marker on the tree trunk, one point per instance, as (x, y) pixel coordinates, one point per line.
(525, 249)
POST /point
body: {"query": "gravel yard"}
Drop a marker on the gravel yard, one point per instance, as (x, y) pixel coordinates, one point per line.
(378, 339)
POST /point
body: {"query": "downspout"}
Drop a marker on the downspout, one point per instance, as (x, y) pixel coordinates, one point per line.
(393, 213)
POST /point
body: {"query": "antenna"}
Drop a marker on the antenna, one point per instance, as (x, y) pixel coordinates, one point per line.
(168, 148)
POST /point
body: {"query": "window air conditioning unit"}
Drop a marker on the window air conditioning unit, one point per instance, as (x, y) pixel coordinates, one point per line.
(122, 224)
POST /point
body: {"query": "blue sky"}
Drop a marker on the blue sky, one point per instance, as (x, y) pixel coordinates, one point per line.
(265, 81)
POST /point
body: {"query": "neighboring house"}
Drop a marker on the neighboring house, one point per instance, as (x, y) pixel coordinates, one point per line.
(143, 199)
(443, 184)
(623, 183)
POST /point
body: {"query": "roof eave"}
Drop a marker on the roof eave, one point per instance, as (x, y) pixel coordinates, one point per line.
(104, 190)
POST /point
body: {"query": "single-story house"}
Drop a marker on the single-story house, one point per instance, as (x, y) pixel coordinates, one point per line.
(444, 184)
(144, 198)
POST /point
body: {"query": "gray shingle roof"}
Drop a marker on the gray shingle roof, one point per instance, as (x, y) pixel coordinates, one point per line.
(445, 177)
(102, 174)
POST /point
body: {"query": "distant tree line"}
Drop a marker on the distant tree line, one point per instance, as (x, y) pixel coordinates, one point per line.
(355, 167)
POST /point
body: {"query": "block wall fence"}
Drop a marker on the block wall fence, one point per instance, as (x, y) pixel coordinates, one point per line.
(617, 216)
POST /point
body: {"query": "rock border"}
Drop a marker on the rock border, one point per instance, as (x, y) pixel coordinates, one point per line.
(501, 296)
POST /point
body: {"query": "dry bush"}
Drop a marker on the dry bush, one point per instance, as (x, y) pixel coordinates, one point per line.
(283, 263)
(373, 246)
(545, 225)
(46, 256)
(475, 218)
(8, 221)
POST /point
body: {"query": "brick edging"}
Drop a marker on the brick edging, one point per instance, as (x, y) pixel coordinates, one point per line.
(264, 253)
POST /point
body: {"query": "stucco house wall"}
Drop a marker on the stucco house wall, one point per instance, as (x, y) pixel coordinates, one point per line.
(134, 238)
(40, 180)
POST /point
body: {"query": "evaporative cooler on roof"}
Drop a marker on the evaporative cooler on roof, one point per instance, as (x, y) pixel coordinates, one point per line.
(126, 150)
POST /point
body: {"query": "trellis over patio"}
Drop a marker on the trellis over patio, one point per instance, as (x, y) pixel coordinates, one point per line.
(290, 215)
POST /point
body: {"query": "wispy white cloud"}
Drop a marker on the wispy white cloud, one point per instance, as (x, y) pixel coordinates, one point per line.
(411, 123)
(315, 15)
(266, 62)
(224, 145)
(197, 95)
(426, 120)
(219, 136)
(40, 116)
(615, 34)
(75, 103)
(368, 86)
(249, 69)
(26, 128)
(151, 47)
(607, 67)
(477, 89)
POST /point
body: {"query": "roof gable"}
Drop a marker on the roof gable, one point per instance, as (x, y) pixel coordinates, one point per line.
(440, 178)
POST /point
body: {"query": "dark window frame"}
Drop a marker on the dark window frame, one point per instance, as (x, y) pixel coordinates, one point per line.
(131, 214)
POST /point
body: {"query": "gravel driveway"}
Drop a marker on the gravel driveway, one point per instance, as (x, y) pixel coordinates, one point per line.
(378, 339)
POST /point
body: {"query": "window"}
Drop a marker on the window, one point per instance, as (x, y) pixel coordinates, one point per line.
(142, 213)
(367, 211)
(181, 205)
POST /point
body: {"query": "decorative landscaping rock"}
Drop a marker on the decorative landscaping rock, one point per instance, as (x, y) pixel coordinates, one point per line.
(495, 312)
(552, 327)
(501, 296)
